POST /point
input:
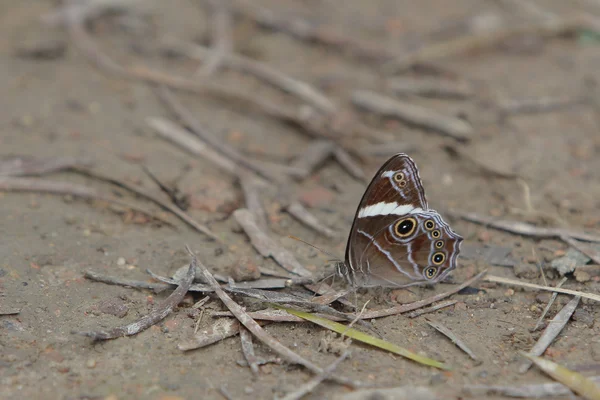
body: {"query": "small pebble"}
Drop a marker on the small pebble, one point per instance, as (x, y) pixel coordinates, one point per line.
(91, 363)
(121, 261)
(526, 271)
(402, 296)
(584, 317)
(245, 269)
(509, 292)
(582, 276)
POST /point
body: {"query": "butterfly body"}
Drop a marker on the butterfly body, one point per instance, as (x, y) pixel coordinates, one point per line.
(396, 240)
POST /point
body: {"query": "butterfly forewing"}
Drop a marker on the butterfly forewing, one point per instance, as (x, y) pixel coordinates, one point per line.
(395, 239)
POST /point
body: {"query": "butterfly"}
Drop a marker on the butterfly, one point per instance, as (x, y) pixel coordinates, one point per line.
(395, 239)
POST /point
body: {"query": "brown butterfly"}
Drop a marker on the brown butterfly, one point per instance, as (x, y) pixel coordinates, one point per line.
(396, 240)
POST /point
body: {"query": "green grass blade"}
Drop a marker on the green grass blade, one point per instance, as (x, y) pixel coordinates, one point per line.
(363, 337)
(578, 383)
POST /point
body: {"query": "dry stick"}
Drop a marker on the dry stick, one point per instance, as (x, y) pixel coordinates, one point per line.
(222, 42)
(547, 308)
(587, 250)
(522, 228)
(329, 298)
(73, 189)
(266, 246)
(412, 114)
(258, 284)
(486, 169)
(225, 393)
(551, 332)
(315, 381)
(312, 122)
(298, 211)
(453, 337)
(324, 289)
(87, 10)
(262, 71)
(10, 312)
(19, 166)
(261, 334)
(178, 212)
(221, 329)
(156, 315)
(537, 391)
(432, 87)
(454, 47)
(252, 187)
(433, 308)
(507, 281)
(346, 161)
(185, 140)
(307, 31)
(248, 350)
(538, 105)
(110, 280)
(317, 152)
(271, 315)
(192, 123)
(402, 308)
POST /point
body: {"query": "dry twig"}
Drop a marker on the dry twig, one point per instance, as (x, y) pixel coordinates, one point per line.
(538, 105)
(412, 114)
(433, 87)
(498, 279)
(485, 40)
(192, 123)
(311, 158)
(435, 307)
(252, 188)
(262, 71)
(266, 246)
(19, 166)
(14, 311)
(304, 30)
(222, 42)
(547, 308)
(522, 228)
(8, 184)
(551, 332)
(178, 212)
(261, 334)
(537, 391)
(185, 140)
(453, 337)
(156, 315)
(402, 308)
(248, 350)
(315, 381)
(110, 280)
(298, 211)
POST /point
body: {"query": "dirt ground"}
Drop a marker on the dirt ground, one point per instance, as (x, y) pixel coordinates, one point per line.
(64, 106)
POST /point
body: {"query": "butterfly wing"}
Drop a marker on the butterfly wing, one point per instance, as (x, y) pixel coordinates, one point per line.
(413, 249)
(391, 242)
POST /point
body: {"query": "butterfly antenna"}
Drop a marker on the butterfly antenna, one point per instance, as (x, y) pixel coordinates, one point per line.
(315, 247)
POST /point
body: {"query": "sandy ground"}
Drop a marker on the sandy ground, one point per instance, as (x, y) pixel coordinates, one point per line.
(66, 107)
